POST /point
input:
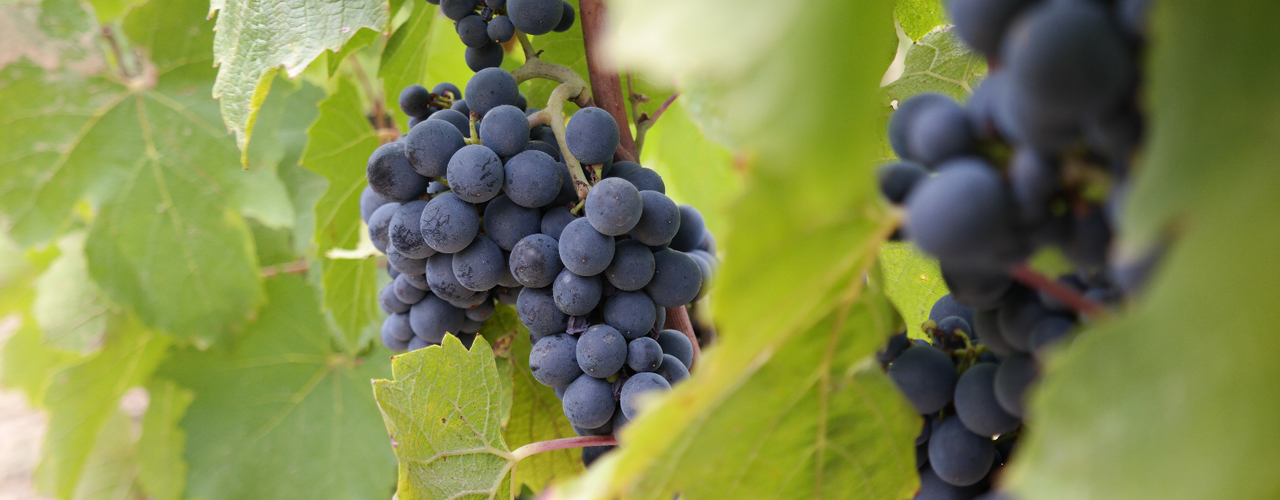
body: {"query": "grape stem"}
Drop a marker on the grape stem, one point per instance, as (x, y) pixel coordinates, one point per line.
(1071, 297)
(606, 85)
(561, 444)
(555, 108)
(572, 88)
(295, 267)
(475, 136)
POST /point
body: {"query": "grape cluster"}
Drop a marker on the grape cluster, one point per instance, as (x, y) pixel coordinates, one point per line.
(466, 220)
(484, 25)
(1038, 160)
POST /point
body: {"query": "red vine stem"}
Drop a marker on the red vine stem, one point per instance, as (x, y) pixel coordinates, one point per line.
(1067, 295)
(678, 319)
(606, 86)
(562, 444)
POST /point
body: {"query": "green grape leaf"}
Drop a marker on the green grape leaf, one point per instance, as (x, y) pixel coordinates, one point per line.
(561, 48)
(283, 415)
(442, 411)
(69, 308)
(1176, 398)
(82, 397)
(913, 281)
(286, 116)
(162, 472)
(111, 10)
(919, 17)
(839, 429)
(404, 60)
(697, 170)
(26, 362)
(341, 141)
(941, 63)
(536, 415)
(252, 41)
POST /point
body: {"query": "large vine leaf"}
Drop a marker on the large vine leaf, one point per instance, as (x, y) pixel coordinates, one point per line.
(443, 413)
(913, 281)
(82, 397)
(1177, 400)
(536, 415)
(112, 466)
(939, 62)
(282, 414)
(254, 38)
(341, 141)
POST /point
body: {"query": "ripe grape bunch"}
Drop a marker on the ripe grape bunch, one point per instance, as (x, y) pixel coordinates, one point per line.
(1037, 161)
(484, 25)
(472, 212)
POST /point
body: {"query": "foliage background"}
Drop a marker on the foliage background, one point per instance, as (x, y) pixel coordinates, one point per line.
(140, 261)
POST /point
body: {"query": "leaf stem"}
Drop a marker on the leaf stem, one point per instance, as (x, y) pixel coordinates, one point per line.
(295, 267)
(562, 444)
(1072, 298)
(381, 119)
(646, 122)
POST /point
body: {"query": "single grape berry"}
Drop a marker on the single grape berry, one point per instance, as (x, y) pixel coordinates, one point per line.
(672, 369)
(1013, 378)
(505, 131)
(475, 173)
(897, 180)
(414, 101)
(677, 279)
(483, 57)
(982, 24)
(508, 223)
(389, 302)
(433, 317)
(380, 225)
(646, 179)
(535, 17)
(479, 266)
(592, 134)
(926, 376)
(962, 215)
(405, 231)
(449, 224)
(584, 250)
(535, 261)
(632, 267)
(396, 332)
(369, 201)
(613, 207)
(601, 351)
(490, 88)
(554, 360)
(644, 354)
(940, 132)
(404, 264)
(566, 18)
(447, 90)
(588, 401)
(406, 292)
(576, 295)
(458, 120)
(690, 232)
(659, 219)
(431, 144)
(500, 29)
(902, 120)
(555, 220)
(391, 175)
(631, 313)
(538, 312)
(533, 179)
(636, 387)
(458, 9)
(472, 31)
(959, 457)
